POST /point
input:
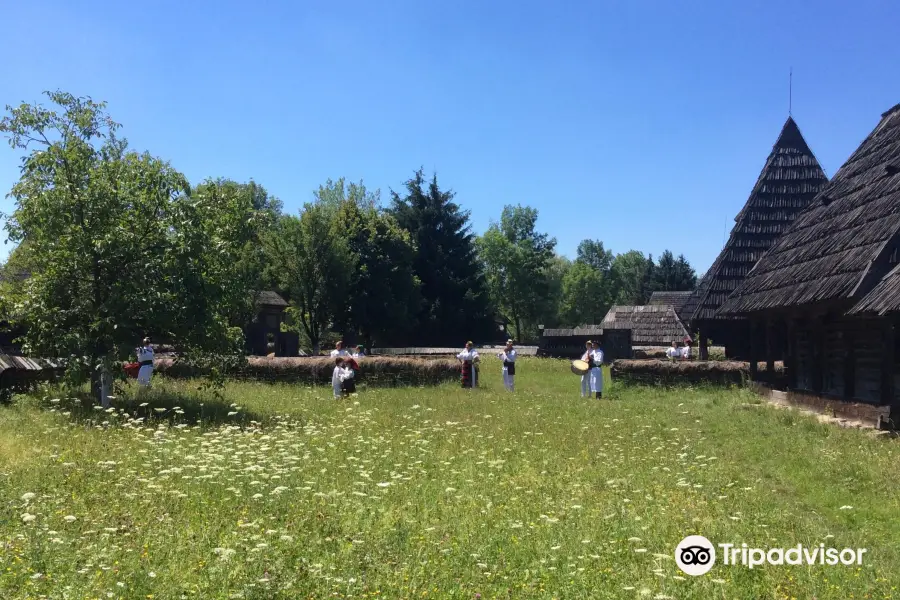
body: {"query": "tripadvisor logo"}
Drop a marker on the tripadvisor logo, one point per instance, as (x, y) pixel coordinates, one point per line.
(695, 555)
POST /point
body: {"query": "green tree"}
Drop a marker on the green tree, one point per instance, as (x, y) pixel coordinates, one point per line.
(593, 254)
(249, 268)
(672, 275)
(118, 247)
(516, 259)
(333, 194)
(312, 264)
(555, 272)
(630, 273)
(456, 304)
(384, 293)
(584, 295)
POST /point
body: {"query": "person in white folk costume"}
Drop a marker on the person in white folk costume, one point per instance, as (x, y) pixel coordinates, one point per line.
(145, 359)
(686, 351)
(339, 376)
(339, 350)
(508, 356)
(588, 357)
(673, 353)
(468, 359)
(597, 372)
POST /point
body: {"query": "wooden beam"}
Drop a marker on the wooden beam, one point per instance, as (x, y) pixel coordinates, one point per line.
(754, 345)
(849, 363)
(770, 350)
(888, 362)
(818, 354)
(704, 346)
(790, 358)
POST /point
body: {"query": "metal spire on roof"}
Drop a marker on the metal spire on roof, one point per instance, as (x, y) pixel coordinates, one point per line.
(790, 91)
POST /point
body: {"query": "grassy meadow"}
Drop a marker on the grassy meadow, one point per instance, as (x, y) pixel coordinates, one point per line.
(281, 491)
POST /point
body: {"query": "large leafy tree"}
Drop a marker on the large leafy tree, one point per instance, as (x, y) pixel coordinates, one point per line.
(673, 275)
(311, 262)
(630, 271)
(249, 267)
(118, 247)
(516, 260)
(455, 300)
(384, 293)
(585, 295)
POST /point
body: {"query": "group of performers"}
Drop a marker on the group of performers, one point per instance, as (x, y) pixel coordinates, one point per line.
(346, 367)
(675, 353)
(469, 360)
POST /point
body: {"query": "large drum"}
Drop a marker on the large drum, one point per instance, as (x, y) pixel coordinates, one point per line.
(580, 367)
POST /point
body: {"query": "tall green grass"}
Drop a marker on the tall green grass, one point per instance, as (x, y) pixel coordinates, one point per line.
(278, 491)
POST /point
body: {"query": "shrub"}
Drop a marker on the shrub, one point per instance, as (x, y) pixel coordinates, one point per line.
(665, 372)
(374, 371)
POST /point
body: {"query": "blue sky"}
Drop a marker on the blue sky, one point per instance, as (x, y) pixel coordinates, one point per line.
(642, 124)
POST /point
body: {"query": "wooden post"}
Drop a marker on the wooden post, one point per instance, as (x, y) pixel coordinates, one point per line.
(849, 364)
(790, 358)
(887, 363)
(753, 350)
(770, 350)
(704, 345)
(891, 335)
(818, 355)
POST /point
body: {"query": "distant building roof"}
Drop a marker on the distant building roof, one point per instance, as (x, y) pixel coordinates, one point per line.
(271, 299)
(674, 299)
(653, 325)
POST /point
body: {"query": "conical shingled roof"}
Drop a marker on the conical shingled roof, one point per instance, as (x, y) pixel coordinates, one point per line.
(789, 181)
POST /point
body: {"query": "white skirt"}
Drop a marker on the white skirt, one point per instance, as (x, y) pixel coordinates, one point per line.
(596, 379)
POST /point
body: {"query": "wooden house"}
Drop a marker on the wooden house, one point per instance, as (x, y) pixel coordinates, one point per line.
(790, 179)
(676, 300)
(827, 294)
(569, 343)
(264, 335)
(651, 325)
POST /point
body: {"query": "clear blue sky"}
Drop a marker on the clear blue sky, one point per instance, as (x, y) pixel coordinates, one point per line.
(643, 124)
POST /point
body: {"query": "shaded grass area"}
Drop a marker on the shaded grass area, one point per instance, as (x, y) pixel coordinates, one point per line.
(437, 492)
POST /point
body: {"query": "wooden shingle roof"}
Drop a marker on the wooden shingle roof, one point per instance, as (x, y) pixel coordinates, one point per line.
(270, 299)
(655, 325)
(673, 299)
(843, 244)
(787, 185)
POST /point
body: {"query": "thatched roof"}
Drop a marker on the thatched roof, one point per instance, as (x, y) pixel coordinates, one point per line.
(674, 299)
(884, 297)
(268, 298)
(576, 331)
(844, 244)
(655, 325)
(789, 181)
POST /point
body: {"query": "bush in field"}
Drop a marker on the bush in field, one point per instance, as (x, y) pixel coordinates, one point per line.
(378, 371)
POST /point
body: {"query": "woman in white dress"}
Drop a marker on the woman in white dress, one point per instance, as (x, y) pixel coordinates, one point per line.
(588, 357)
(597, 372)
(145, 359)
(468, 359)
(508, 356)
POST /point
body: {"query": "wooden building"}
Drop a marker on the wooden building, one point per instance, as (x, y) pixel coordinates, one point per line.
(676, 300)
(827, 294)
(569, 343)
(264, 336)
(790, 179)
(652, 325)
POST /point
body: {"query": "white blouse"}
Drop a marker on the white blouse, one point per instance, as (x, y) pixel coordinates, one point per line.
(468, 355)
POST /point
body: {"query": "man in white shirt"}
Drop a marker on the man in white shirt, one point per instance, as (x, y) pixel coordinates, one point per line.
(673, 353)
(339, 351)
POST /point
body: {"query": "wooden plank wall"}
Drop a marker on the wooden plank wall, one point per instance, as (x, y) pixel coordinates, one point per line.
(804, 357)
(835, 361)
(868, 349)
